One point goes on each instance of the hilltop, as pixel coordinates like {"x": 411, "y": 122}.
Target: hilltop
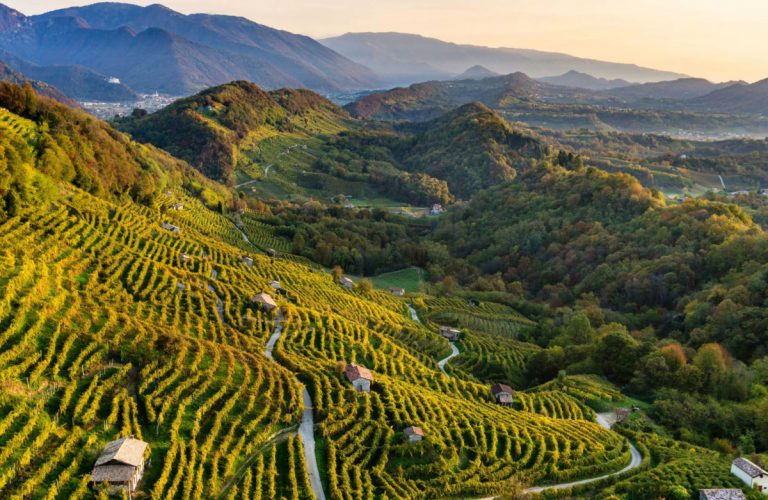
{"x": 214, "y": 129}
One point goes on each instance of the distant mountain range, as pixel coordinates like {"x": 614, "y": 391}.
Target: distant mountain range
{"x": 8, "y": 74}
{"x": 157, "y": 49}
{"x": 684, "y": 88}
{"x": 77, "y": 82}
{"x": 737, "y": 98}
{"x": 402, "y": 59}
{"x": 584, "y": 81}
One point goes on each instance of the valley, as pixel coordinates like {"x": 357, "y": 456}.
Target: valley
{"x": 523, "y": 274}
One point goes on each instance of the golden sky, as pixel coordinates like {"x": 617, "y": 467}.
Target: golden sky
{"x": 716, "y": 39}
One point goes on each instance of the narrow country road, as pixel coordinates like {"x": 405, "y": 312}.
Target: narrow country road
{"x": 414, "y": 316}
{"x": 442, "y": 362}
{"x": 604, "y": 419}
{"x": 307, "y": 426}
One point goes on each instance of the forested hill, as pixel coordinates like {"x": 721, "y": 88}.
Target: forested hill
{"x": 471, "y": 148}
{"x": 561, "y": 234}
{"x": 45, "y": 142}
{"x": 209, "y": 128}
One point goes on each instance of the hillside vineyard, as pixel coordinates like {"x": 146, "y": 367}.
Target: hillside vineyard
{"x": 257, "y": 294}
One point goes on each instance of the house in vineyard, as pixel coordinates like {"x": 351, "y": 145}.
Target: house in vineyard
{"x": 120, "y": 465}
{"x": 248, "y": 261}
{"x": 170, "y": 227}
{"x": 347, "y": 283}
{"x": 275, "y": 285}
{"x": 360, "y": 376}
{"x": 271, "y": 252}
{"x": 752, "y": 474}
{"x": 178, "y": 206}
{"x": 621, "y": 413}
{"x": 504, "y": 394}
{"x": 450, "y": 333}
{"x": 184, "y": 257}
{"x": 265, "y": 301}
{"x": 397, "y": 292}
{"x": 722, "y": 494}
{"x": 414, "y": 434}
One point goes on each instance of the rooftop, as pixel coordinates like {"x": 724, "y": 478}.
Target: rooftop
{"x": 128, "y": 451}
{"x": 413, "y": 431}
{"x": 500, "y": 388}
{"x": 355, "y": 372}
{"x": 723, "y": 494}
{"x": 749, "y": 467}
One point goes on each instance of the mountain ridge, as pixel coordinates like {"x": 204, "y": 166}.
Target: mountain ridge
{"x": 403, "y": 58}
{"x": 157, "y": 49}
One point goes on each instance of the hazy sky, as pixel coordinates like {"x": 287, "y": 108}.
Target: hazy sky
{"x": 716, "y": 39}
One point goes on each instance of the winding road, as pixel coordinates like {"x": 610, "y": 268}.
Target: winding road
{"x": 442, "y": 362}
{"x": 307, "y": 426}
{"x": 634, "y": 463}
{"x": 454, "y": 350}
{"x": 414, "y": 316}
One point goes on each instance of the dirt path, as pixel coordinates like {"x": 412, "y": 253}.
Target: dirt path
{"x": 414, "y": 316}
{"x": 442, "y": 362}
{"x": 307, "y": 426}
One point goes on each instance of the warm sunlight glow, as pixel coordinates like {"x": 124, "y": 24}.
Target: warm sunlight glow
{"x": 707, "y": 38}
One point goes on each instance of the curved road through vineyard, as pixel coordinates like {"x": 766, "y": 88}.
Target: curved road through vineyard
{"x": 306, "y": 429}
{"x": 604, "y": 419}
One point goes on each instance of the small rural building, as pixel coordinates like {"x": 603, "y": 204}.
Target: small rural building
{"x": 734, "y": 194}
{"x": 450, "y": 333}
{"x": 248, "y": 261}
{"x": 621, "y": 413}
{"x": 177, "y": 206}
{"x": 271, "y": 252}
{"x": 722, "y": 494}
{"x": 265, "y": 301}
{"x": 184, "y": 257}
{"x": 752, "y": 474}
{"x": 347, "y": 283}
{"x": 180, "y": 286}
{"x": 397, "y": 292}
{"x": 414, "y": 434}
{"x": 170, "y": 227}
{"x": 275, "y": 285}
{"x": 437, "y": 209}
{"x": 121, "y": 464}
{"x": 360, "y": 376}
{"x": 504, "y": 394}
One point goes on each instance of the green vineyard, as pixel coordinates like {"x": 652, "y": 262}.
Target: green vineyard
{"x": 106, "y": 332}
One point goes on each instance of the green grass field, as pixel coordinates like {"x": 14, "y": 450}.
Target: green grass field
{"x": 410, "y": 279}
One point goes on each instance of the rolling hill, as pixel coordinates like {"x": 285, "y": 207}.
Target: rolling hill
{"x": 403, "y": 59}
{"x": 681, "y": 89}
{"x": 77, "y": 82}
{"x": 737, "y": 98}
{"x": 156, "y": 49}
{"x": 8, "y": 74}
{"x": 584, "y": 81}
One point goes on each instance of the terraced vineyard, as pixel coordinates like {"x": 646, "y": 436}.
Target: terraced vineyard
{"x": 106, "y": 331}
{"x": 489, "y": 349}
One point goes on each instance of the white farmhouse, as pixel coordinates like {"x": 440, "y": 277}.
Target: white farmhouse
{"x": 753, "y": 475}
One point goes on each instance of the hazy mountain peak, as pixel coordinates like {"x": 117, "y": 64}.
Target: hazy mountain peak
{"x": 477, "y": 72}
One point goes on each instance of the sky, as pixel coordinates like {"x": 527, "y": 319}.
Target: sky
{"x": 708, "y": 38}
